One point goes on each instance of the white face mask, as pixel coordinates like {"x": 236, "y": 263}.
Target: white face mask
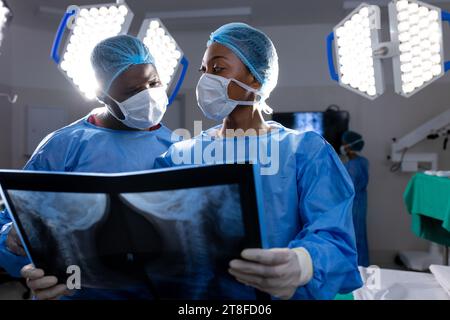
{"x": 143, "y": 110}
{"x": 213, "y": 99}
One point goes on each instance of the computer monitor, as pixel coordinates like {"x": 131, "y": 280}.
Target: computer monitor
{"x": 331, "y": 124}
{"x": 302, "y": 121}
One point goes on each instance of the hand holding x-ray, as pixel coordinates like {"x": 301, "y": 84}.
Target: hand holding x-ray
{"x": 43, "y": 287}
{"x": 279, "y": 272}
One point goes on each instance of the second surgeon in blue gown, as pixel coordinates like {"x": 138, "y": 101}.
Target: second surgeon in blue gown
{"x": 310, "y": 250}
{"x": 358, "y": 168}
{"x": 109, "y": 140}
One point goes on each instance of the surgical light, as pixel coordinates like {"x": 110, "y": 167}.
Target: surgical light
{"x": 166, "y": 52}
{"x": 417, "y": 28}
{"x": 5, "y": 14}
{"x": 88, "y": 26}
{"x": 356, "y": 39}
{"x": 416, "y": 48}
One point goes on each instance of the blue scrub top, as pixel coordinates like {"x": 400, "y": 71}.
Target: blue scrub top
{"x": 84, "y": 147}
{"x": 307, "y": 201}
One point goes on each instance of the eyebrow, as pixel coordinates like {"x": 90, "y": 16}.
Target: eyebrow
{"x": 217, "y": 57}
{"x": 153, "y": 77}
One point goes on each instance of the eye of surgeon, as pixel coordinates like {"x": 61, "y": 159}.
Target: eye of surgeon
{"x": 309, "y": 242}
{"x": 124, "y": 136}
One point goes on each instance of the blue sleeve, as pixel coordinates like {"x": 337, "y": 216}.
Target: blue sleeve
{"x": 9, "y": 261}
{"x": 4, "y": 218}
{"x": 352, "y": 170}
{"x": 358, "y": 170}
{"x": 180, "y": 154}
{"x": 53, "y": 153}
{"x": 326, "y": 195}
{"x": 164, "y": 161}
{"x": 40, "y": 161}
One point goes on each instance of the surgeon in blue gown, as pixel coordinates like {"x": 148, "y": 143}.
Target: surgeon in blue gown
{"x": 124, "y": 136}
{"x": 307, "y": 229}
{"x": 358, "y": 168}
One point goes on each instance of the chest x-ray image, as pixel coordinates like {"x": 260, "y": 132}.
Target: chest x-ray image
{"x": 176, "y": 242}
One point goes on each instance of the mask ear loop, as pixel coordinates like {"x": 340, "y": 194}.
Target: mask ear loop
{"x": 110, "y": 110}
{"x": 265, "y": 108}
{"x": 355, "y": 142}
{"x": 259, "y": 100}
{"x": 256, "y": 92}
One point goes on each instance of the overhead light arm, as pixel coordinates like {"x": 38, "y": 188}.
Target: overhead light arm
{"x": 386, "y": 50}
{"x": 68, "y": 15}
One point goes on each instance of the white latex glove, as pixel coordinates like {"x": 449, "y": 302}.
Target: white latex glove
{"x": 44, "y": 287}
{"x": 278, "y": 272}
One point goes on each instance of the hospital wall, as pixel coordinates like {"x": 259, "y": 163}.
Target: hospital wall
{"x": 5, "y": 129}
{"x": 5, "y": 106}
{"x": 304, "y": 86}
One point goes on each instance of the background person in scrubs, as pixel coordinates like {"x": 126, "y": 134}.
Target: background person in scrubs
{"x": 124, "y": 136}
{"x": 358, "y": 168}
{"x": 307, "y": 201}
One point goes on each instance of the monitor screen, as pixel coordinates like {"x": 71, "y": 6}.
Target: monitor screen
{"x": 302, "y": 121}
{"x": 309, "y": 121}
{"x": 164, "y": 230}
{"x": 330, "y": 124}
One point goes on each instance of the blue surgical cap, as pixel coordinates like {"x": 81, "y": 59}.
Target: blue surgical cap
{"x": 255, "y": 50}
{"x": 115, "y": 55}
{"x": 351, "y": 137}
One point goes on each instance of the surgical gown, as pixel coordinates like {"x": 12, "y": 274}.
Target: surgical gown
{"x": 307, "y": 201}
{"x": 84, "y": 147}
{"x": 358, "y": 169}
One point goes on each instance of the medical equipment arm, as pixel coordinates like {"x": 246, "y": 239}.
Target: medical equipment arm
{"x": 437, "y": 127}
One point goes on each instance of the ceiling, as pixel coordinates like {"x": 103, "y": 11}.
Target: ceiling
{"x": 263, "y": 12}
